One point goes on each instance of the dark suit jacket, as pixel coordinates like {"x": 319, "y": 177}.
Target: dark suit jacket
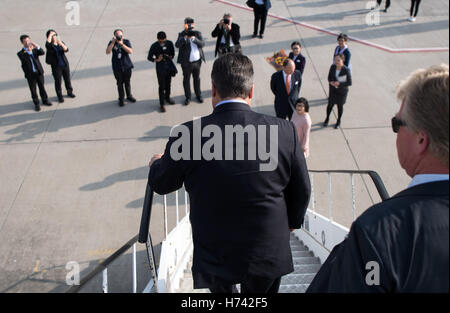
{"x": 267, "y": 4}
{"x": 283, "y": 101}
{"x": 346, "y": 53}
{"x": 407, "y": 235}
{"x": 156, "y": 50}
{"x": 184, "y": 47}
{"x": 343, "y": 87}
{"x": 27, "y": 66}
{"x": 234, "y": 34}
{"x": 300, "y": 62}
{"x": 240, "y": 215}
{"x": 51, "y": 57}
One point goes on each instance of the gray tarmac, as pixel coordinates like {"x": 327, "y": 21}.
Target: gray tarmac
{"x": 73, "y": 176}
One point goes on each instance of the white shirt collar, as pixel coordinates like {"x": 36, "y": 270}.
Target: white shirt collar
{"x": 232, "y": 100}
{"x": 427, "y": 178}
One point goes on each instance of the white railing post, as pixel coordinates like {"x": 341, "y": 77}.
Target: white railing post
{"x": 176, "y": 205}
{"x": 134, "y": 269}
{"x": 105, "y": 281}
{"x": 165, "y": 216}
{"x": 312, "y": 192}
{"x": 330, "y": 198}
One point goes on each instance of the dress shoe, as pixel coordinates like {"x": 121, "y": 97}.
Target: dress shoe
{"x": 187, "y": 101}
{"x": 71, "y": 95}
{"x": 131, "y": 99}
{"x": 47, "y": 103}
{"x": 200, "y": 99}
{"x": 325, "y": 124}
{"x": 170, "y": 101}
{"x": 121, "y": 103}
{"x": 337, "y": 125}
{"x": 37, "y": 107}
{"x": 162, "y": 109}
{"x": 261, "y": 36}
{"x": 254, "y": 36}
{"x": 60, "y": 99}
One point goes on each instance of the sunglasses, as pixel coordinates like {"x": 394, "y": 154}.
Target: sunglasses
{"x": 396, "y": 124}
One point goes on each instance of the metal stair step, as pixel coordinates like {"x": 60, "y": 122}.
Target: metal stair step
{"x": 293, "y": 279}
{"x": 298, "y": 247}
{"x": 306, "y": 260}
{"x": 299, "y": 288}
{"x": 297, "y": 254}
{"x": 306, "y": 268}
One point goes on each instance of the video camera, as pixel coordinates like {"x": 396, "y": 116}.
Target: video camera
{"x": 188, "y": 27}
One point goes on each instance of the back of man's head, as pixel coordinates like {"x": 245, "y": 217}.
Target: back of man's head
{"x": 232, "y": 76}
{"x": 425, "y": 94}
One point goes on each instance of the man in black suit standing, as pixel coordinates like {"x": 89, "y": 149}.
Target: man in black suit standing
{"x": 228, "y": 35}
{"x": 242, "y": 208}
{"x": 401, "y": 245}
{"x": 190, "y": 44}
{"x": 32, "y": 68}
{"x": 286, "y": 86}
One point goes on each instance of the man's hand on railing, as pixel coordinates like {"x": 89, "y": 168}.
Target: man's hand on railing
{"x": 155, "y": 157}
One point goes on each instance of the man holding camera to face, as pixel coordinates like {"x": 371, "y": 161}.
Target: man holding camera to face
{"x": 190, "y": 44}
{"x": 162, "y": 52}
{"x": 228, "y": 35}
{"x": 121, "y": 64}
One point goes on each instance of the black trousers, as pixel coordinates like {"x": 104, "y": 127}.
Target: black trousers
{"x": 251, "y": 284}
{"x": 194, "y": 70}
{"x": 414, "y": 8}
{"x": 62, "y": 72}
{"x": 283, "y": 113}
{"x": 388, "y": 3}
{"x": 260, "y": 16}
{"x": 123, "y": 79}
{"x": 164, "y": 82}
{"x": 37, "y": 79}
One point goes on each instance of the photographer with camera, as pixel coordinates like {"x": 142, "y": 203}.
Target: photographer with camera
{"x": 56, "y": 58}
{"x": 121, "y": 64}
{"x": 190, "y": 44}
{"x": 162, "y": 52}
{"x": 228, "y": 35}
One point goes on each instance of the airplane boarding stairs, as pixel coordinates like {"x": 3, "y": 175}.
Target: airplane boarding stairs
{"x": 310, "y": 245}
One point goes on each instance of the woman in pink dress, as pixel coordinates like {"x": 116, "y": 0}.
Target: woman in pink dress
{"x": 302, "y": 122}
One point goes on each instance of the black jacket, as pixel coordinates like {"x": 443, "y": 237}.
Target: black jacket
{"x": 240, "y": 215}
{"x": 300, "y": 62}
{"x": 27, "y": 66}
{"x": 156, "y": 50}
{"x": 283, "y": 101}
{"x": 51, "y": 57}
{"x": 234, "y": 34}
{"x": 184, "y": 47}
{"x": 406, "y": 235}
{"x": 343, "y": 86}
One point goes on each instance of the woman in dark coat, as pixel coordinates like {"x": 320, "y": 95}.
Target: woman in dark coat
{"x": 339, "y": 78}
{"x": 56, "y": 57}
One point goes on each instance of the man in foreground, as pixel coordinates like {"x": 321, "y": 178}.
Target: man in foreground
{"x": 242, "y": 207}
{"x": 401, "y": 244}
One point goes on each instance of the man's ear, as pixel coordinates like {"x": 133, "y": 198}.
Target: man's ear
{"x": 422, "y": 142}
{"x": 252, "y": 91}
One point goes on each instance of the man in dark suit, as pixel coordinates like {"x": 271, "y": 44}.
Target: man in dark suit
{"x": 228, "y": 35}
{"x": 260, "y": 11}
{"x": 243, "y": 208}
{"x": 286, "y": 86}
{"x": 190, "y": 44}
{"x": 32, "y": 68}
{"x": 401, "y": 244}
{"x": 56, "y": 58}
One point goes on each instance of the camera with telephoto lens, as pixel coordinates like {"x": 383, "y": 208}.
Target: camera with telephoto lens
{"x": 118, "y": 37}
{"x": 226, "y": 21}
